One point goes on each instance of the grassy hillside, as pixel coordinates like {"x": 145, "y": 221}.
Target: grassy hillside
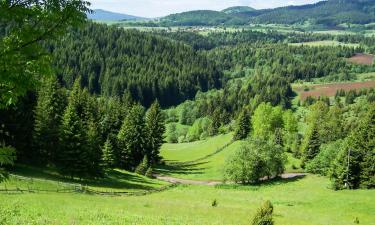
{"x": 299, "y": 202}
{"x": 185, "y": 160}
{"x": 238, "y": 9}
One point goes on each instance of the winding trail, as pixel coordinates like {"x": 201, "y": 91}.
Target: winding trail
{"x": 174, "y": 180}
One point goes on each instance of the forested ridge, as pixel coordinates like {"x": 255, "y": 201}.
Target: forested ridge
{"x": 111, "y": 61}
{"x": 329, "y": 13}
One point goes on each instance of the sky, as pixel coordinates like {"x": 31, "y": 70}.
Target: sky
{"x": 159, "y": 8}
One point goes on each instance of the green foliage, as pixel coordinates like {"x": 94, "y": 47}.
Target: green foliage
{"x": 145, "y": 65}
{"x": 321, "y": 164}
{"x": 155, "y": 126}
{"x": 47, "y": 114}
{"x": 132, "y": 138}
{"x": 263, "y": 215}
{"x": 266, "y": 120}
{"x": 311, "y": 146}
{"x": 108, "y": 159}
{"x": 7, "y": 157}
{"x": 255, "y": 160}
{"x": 353, "y": 167}
{"x": 73, "y": 156}
{"x": 290, "y": 131}
{"x": 24, "y": 25}
{"x": 143, "y": 167}
{"x": 149, "y": 172}
{"x": 243, "y": 126}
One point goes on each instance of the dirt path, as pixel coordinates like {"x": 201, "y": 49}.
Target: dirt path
{"x": 174, "y": 180}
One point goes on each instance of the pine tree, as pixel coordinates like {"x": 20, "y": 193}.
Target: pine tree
{"x": 73, "y": 159}
{"x": 155, "y": 128}
{"x": 312, "y": 144}
{"x": 47, "y": 114}
{"x": 132, "y": 138}
{"x": 108, "y": 159}
{"x": 216, "y": 122}
{"x": 243, "y": 126}
{"x": 264, "y": 215}
{"x": 94, "y": 150}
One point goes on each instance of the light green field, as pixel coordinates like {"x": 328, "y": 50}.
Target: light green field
{"x": 325, "y": 43}
{"x": 194, "y": 150}
{"x": 210, "y": 168}
{"x": 297, "y": 201}
{"x": 307, "y": 201}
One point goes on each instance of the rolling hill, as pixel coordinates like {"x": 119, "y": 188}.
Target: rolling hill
{"x": 328, "y": 13}
{"x": 238, "y": 9}
{"x": 103, "y": 15}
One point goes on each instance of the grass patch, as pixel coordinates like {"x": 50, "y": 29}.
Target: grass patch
{"x": 306, "y": 201}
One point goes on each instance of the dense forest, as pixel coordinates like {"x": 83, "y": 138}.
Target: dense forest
{"x": 111, "y": 61}
{"x": 328, "y": 13}
{"x": 94, "y": 109}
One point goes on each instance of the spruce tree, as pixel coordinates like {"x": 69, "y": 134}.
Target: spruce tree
{"x": 312, "y": 144}
{"x": 73, "y": 159}
{"x": 155, "y": 130}
{"x": 47, "y": 114}
{"x": 243, "y": 126}
{"x": 143, "y": 166}
{"x": 94, "y": 150}
{"x": 108, "y": 159}
{"x": 264, "y": 215}
{"x": 132, "y": 138}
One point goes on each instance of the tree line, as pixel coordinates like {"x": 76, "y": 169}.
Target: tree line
{"x": 83, "y": 135}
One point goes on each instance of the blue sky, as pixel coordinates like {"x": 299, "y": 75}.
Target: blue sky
{"x": 158, "y": 8}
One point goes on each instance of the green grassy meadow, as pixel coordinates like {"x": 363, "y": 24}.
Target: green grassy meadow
{"x": 297, "y": 201}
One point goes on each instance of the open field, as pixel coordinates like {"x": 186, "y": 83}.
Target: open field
{"x": 362, "y": 59}
{"x": 307, "y": 201}
{"x": 196, "y": 150}
{"x": 329, "y": 90}
{"x": 210, "y": 168}
{"x": 324, "y": 43}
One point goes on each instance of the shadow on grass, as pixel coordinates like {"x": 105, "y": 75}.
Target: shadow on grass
{"x": 265, "y": 183}
{"x": 171, "y": 167}
{"x": 115, "y": 179}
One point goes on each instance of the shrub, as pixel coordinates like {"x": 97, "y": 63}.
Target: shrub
{"x": 214, "y": 203}
{"x": 254, "y": 160}
{"x": 264, "y": 215}
{"x": 322, "y": 162}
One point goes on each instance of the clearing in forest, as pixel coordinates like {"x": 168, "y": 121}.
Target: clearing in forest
{"x": 329, "y": 90}
{"x": 362, "y": 59}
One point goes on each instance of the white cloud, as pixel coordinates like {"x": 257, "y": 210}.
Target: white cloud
{"x": 158, "y": 8}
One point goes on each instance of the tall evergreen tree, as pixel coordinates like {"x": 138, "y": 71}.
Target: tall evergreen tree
{"x": 243, "y": 126}
{"x": 132, "y": 138}
{"x": 73, "y": 159}
{"x": 108, "y": 159}
{"x": 312, "y": 144}
{"x": 48, "y": 113}
{"x": 94, "y": 150}
{"x": 155, "y": 130}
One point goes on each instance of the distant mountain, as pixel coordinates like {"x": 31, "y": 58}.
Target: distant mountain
{"x": 103, "y": 15}
{"x": 238, "y": 9}
{"x": 329, "y": 13}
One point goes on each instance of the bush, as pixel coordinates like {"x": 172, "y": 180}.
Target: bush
{"x": 264, "y": 215}
{"x": 322, "y": 162}
{"x": 254, "y": 160}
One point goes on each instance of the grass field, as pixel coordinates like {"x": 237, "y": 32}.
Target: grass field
{"x": 325, "y": 43}
{"x": 306, "y": 201}
{"x": 362, "y": 59}
{"x": 299, "y": 201}
{"x": 210, "y": 168}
